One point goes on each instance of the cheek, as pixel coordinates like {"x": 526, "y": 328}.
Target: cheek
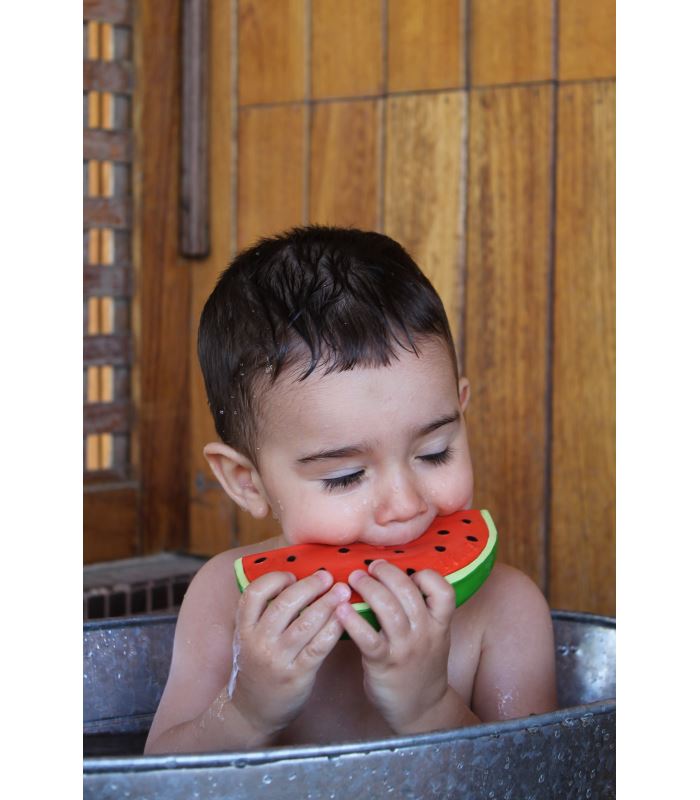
{"x": 455, "y": 490}
{"x": 325, "y": 520}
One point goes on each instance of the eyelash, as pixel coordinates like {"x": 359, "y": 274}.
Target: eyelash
{"x": 436, "y": 459}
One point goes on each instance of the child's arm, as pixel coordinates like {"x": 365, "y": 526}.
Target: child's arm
{"x": 516, "y": 673}
{"x": 280, "y": 651}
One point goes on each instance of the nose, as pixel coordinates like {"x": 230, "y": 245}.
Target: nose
{"x": 399, "y": 500}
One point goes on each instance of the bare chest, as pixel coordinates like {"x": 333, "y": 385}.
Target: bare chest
{"x": 338, "y": 709}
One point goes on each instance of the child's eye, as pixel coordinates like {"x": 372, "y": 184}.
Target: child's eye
{"x": 438, "y": 458}
{"x": 343, "y": 481}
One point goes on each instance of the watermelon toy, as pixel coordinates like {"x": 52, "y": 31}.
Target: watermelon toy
{"x": 460, "y": 546}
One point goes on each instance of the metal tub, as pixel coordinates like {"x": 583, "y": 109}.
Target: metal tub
{"x": 569, "y": 753}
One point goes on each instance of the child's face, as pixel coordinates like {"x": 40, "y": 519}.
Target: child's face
{"x": 348, "y": 456}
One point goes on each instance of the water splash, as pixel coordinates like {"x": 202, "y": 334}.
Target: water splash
{"x": 234, "y": 668}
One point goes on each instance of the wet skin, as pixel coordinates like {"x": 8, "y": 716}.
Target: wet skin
{"x": 369, "y": 455}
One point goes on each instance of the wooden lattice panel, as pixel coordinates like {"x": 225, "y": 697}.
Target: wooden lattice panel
{"x": 107, "y": 263}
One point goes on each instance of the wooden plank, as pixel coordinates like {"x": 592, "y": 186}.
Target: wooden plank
{"x": 426, "y": 44}
{"x": 162, "y": 306}
{"x": 271, "y": 171}
{"x": 108, "y": 76}
{"x": 211, "y": 511}
{"x": 270, "y": 199}
{"x": 271, "y": 51}
{"x": 112, "y": 349}
{"x": 346, "y": 49}
{"x": 586, "y": 39}
{"x": 118, "y": 12}
{"x": 344, "y": 164}
{"x": 583, "y": 446}
{"x": 107, "y": 417}
{"x": 511, "y": 41}
{"x": 110, "y": 523}
{"x": 423, "y": 204}
{"x": 104, "y": 145}
{"x": 107, "y": 212}
{"x": 507, "y": 314}
{"x": 194, "y": 181}
{"x": 107, "y": 281}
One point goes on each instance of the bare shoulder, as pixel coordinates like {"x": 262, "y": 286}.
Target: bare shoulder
{"x": 214, "y": 587}
{"x": 509, "y": 597}
{"x": 515, "y": 674}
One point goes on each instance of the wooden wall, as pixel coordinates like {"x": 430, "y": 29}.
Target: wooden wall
{"x": 481, "y": 135}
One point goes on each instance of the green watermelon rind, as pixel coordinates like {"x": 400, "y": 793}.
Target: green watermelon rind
{"x": 465, "y": 581}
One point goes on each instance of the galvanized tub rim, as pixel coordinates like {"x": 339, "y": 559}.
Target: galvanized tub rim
{"x": 246, "y": 758}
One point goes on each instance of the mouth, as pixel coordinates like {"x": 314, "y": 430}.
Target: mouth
{"x": 400, "y": 534}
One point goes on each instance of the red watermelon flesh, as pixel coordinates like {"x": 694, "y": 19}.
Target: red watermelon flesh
{"x": 461, "y": 547}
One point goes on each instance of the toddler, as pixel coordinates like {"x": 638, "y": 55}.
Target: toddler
{"x": 333, "y": 382}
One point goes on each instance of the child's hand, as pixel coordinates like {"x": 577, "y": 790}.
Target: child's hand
{"x": 405, "y": 664}
{"x": 281, "y": 640}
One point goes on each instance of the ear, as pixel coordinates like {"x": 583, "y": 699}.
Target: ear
{"x": 464, "y": 394}
{"x": 238, "y": 477}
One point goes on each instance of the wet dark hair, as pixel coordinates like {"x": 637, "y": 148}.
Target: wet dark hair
{"x": 313, "y": 297}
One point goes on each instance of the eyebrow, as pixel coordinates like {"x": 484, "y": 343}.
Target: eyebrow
{"x": 361, "y": 447}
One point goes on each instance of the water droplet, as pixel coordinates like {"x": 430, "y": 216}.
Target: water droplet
{"x": 267, "y": 780}
{"x": 221, "y": 411}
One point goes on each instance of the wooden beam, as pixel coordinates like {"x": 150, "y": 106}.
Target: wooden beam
{"x": 106, "y": 417}
{"x": 194, "y": 186}
{"x": 162, "y": 305}
{"x": 103, "y": 145}
{"x": 113, "y": 348}
{"x": 107, "y": 212}
{"x": 107, "y": 281}
{"x": 118, "y": 12}
{"x": 107, "y": 76}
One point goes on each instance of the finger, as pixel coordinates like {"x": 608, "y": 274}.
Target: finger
{"x": 372, "y": 644}
{"x": 258, "y": 594}
{"x": 287, "y": 605}
{"x": 312, "y": 619}
{"x": 383, "y": 602}
{"x": 439, "y": 594}
{"x": 314, "y": 652}
{"x": 402, "y": 587}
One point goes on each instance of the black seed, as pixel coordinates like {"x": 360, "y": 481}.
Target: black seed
{"x": 410, "y": 571}
{"x": 472, "y": 538}
{"x": 467, "y": 521}
{"x": 343, "y": 549}
{"x": 260, "y": 560}
{"x": 291, "y": 558}
{"x": 440, "y": 548}
{"x": 368, "y": 561}
{"x": 443, "y": 533}
{"x": 399, "y": 551}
